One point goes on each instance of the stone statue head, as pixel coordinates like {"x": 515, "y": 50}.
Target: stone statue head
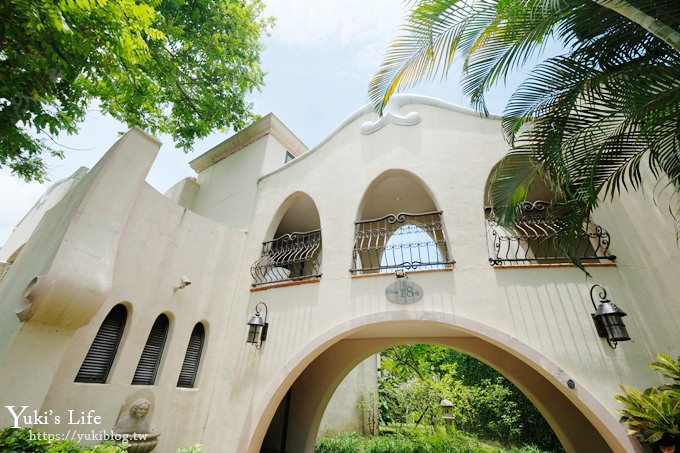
{"x": 140, "y": 408}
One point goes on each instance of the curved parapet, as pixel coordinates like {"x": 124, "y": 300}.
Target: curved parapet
{"x": 66, "y": 267}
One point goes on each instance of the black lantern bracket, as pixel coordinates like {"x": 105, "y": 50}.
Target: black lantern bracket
{"x": 608, "y": 318}
{"x": 258, "y": 327}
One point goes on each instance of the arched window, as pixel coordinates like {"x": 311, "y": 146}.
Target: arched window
{"x": 187, "y": 376}
{"x": 97, "y": 364}
{"x": 151, "y": 355}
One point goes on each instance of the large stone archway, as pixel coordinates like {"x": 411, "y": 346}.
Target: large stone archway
{"x": 578, "y": 419}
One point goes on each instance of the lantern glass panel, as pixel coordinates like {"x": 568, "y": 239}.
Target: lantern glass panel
{"x": 616, "y": 328}
{"x": 252, "y": 333}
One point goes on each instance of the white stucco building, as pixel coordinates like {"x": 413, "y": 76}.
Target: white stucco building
{"x": 113, "y": 289}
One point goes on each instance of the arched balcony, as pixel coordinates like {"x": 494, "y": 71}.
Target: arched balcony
{"x": 399, "y": 228}
{"x": 294, "y": 253}
{"x": 531, "y": 239}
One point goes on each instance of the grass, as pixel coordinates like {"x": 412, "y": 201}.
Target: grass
{"x": 412, "y": 441}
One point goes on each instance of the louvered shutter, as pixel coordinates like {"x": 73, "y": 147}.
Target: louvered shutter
{"x": 97, "y": 364}
{"x": 187, "y": 376}
{"x": 151, "y": 355}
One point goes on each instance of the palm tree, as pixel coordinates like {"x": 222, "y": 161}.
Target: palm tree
{"x": 587, "y": 121}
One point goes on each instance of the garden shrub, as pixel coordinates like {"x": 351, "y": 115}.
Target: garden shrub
{"x": 25, "y": 440}
{"x": 15, "y": 440}
{"x": 340, "y": 443}
{"x": 413, "y": 439}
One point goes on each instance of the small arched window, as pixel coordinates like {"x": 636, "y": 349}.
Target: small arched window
{"x": 151, "y": 355}
{"x": 97, "y": 364}
{"x": 187, "y": 376}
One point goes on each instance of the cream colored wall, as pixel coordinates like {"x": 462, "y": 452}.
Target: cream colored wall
{"x": 229, "y": 187}
{"x": 173, "y": 242}
{"x": 347, "y": 409}
{"x": 158, "y": 242}
{"x": 648, "y": 255}
{"x": 184, "y": 192}
{"x": 538, "y": 314}
{"x": 62, "y": 276}
{"x": 545, "y": 309}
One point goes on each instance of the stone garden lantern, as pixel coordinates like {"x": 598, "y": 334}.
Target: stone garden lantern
{"x": 447, "y": 410}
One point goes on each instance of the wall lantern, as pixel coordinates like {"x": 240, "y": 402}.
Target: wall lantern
{"x": 257, "y": 332}
{"x": 608, "y": 318}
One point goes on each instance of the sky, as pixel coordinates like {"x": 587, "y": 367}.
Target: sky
{"x": 319, "y": 59}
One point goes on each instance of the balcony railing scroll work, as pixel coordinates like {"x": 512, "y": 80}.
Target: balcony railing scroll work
{"x": 400, "y": 241}
{"x": 292, "y": 256}
{"x": 530, "y": 240}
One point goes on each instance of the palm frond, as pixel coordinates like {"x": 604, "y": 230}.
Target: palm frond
{"x": 424, "y": 47}
{"x": 518, "y": 32}
{"x": 511, "y": 182}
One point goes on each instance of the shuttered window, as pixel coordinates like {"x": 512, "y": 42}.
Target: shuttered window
{"x": 151, "y": 355}
{"x": 97, "y": 364}
{"x": 187, "y": 376}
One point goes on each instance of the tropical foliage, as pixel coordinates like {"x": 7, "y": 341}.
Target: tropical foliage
{"x": 653, "y": 416}
{"x": 589, "y": 121}
{"x": 415, "y": 378}
{"x": 167, "y": 66}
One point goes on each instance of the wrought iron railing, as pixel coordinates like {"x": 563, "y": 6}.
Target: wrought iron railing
{"x": 529, "y": 241}
{"x": 4, "y": 268}
{"x": 408, "y": 241}
{"x": 293, "y": 256}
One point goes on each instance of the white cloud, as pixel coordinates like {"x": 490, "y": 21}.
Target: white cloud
{"x": 355, "y": 33}
{"x": 325, "y": 24}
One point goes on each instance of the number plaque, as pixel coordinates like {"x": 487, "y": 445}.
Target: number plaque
{"x": 403, "y": 291}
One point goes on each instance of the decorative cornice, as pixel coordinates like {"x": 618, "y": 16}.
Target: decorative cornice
{"x": 391, "y": 116}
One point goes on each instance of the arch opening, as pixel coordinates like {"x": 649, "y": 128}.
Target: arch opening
{"x": 294, "y": 251}
{"x": 431, "y": 391}
{"x": 580, "y": 422}
{"x": 531, "y": 240}
{"x": 399, "y": 227}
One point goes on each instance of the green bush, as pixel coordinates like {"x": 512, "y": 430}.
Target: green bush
{"x": 27, "y": 440}
{"x": 341, "y": 443}
{"x": 14, "y": 440}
